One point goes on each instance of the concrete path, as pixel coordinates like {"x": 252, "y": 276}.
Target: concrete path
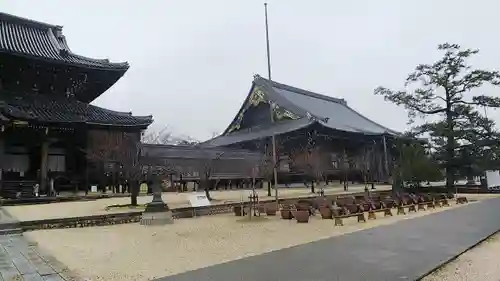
{"x": 21, "y": 261}
{"x": 401, "y": 251}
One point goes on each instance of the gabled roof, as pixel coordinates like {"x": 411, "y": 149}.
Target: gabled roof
{"x": 47, "y": 109}
{"x": 45, "y": 41}
{"x": 307, "y": 108}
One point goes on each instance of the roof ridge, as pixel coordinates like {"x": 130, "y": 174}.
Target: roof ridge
{"x": 304, "y": 92}
{"x": 29, "y": 22}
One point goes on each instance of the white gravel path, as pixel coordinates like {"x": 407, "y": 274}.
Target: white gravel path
{"x": 482, "y": 263}
{"x": 135, "y": 252}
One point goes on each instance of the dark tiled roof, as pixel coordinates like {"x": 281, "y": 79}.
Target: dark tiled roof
{"x": 331, "y": 112}
{"x": 328, "y": 111}
{"x": 35, "y": 39}
{"x": 45, "y": 109}
{"x": 255, "y": 133}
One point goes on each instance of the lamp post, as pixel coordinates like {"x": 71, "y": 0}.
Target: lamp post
{"x": 157, "y": 211}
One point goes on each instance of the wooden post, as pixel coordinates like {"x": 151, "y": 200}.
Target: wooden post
{"x": 1, "y": 162}
{"x": 386, "y": 159}
{"x": 43, "y": 165}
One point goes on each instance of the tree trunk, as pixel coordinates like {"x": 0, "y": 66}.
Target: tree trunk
{"x": 206, "y": 188}
{"x": 134, "y": 187}
{"x": 312, "y": 186}
{"x": 450, "y": 145}
{"x": 269, "y": 189}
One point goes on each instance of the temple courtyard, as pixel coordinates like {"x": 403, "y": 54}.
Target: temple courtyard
{"x": 173, "y": 199}
{"x": 263, "y": 248}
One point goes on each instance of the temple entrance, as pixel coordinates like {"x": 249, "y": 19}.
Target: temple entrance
{"x": 31, "y": 155}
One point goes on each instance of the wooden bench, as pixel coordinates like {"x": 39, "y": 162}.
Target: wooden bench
{"x": 350, "y": 211}
{"x": 378, "y": 207}
{"x": 441, "y": 200}
{"x": 405, "y": 202}
{"x": 429, "y": 200}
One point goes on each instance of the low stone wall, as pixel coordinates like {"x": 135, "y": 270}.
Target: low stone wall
{"x": 52, "y": 199}
{"x": 131, "y": 217}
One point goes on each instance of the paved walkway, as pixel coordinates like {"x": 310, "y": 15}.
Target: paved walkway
{"x": 401, "y": 251}
{"x": 21, "y": 261}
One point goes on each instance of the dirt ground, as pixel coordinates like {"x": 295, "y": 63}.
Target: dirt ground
{"x": 135, "y": 252}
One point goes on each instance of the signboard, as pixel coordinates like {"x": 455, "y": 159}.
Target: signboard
{"x": 492, "y": 179}
{"x": 198, "y": 199}
{"x": 93, "y": 188}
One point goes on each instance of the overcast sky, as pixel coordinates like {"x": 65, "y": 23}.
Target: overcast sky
{"x": 192, "y": 62}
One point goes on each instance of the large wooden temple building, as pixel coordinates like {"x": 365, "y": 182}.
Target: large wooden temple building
{"x": 344, "y": 143}
{"x": 47, "y": 124}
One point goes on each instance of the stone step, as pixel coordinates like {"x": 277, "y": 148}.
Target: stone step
{"x": 11, "y": 231}
{"x": 9, "y": 225}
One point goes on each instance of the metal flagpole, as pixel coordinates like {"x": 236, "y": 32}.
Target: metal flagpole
{"x": 273, "y": 136}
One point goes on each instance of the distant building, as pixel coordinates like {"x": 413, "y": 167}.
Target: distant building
{"x": 221, "y": 167}
{"x": 47, "y": 126}
{"x": 349, "y": 145}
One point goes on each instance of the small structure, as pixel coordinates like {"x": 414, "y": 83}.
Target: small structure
{"x": 216, "y": 165}
{"x": 204, "y": 165}
{"x": 253, "y": 200}
{"x": 157, "y": 212}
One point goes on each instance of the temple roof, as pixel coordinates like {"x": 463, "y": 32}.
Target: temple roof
{"x": 60, "y": 110}
{"x": 304, "y": 108}
{"x": 45, "y": 41}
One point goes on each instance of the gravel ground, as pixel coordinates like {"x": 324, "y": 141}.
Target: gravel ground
{"x": 481, "y": 263}
{"x": 97, "y": 207}
{"x": 135, "y": 252}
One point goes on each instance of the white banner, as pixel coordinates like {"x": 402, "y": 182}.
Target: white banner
{"x": 492, "y": 179}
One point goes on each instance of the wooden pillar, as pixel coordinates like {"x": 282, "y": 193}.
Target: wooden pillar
{"x": 1, "y": 162}
{"x": 386, "y": 160}
{"x": 43, "y": 165}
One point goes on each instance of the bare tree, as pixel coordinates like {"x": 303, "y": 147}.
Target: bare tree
{"x": 266, "y": 168}
{"x": 310, "y": 161}
{"x": 205, "y": 168}
{"x": 165, "y": 136}
{"x": 117, "y": 153}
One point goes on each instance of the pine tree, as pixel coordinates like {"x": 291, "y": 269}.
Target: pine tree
{"x": 444, "y": 95}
